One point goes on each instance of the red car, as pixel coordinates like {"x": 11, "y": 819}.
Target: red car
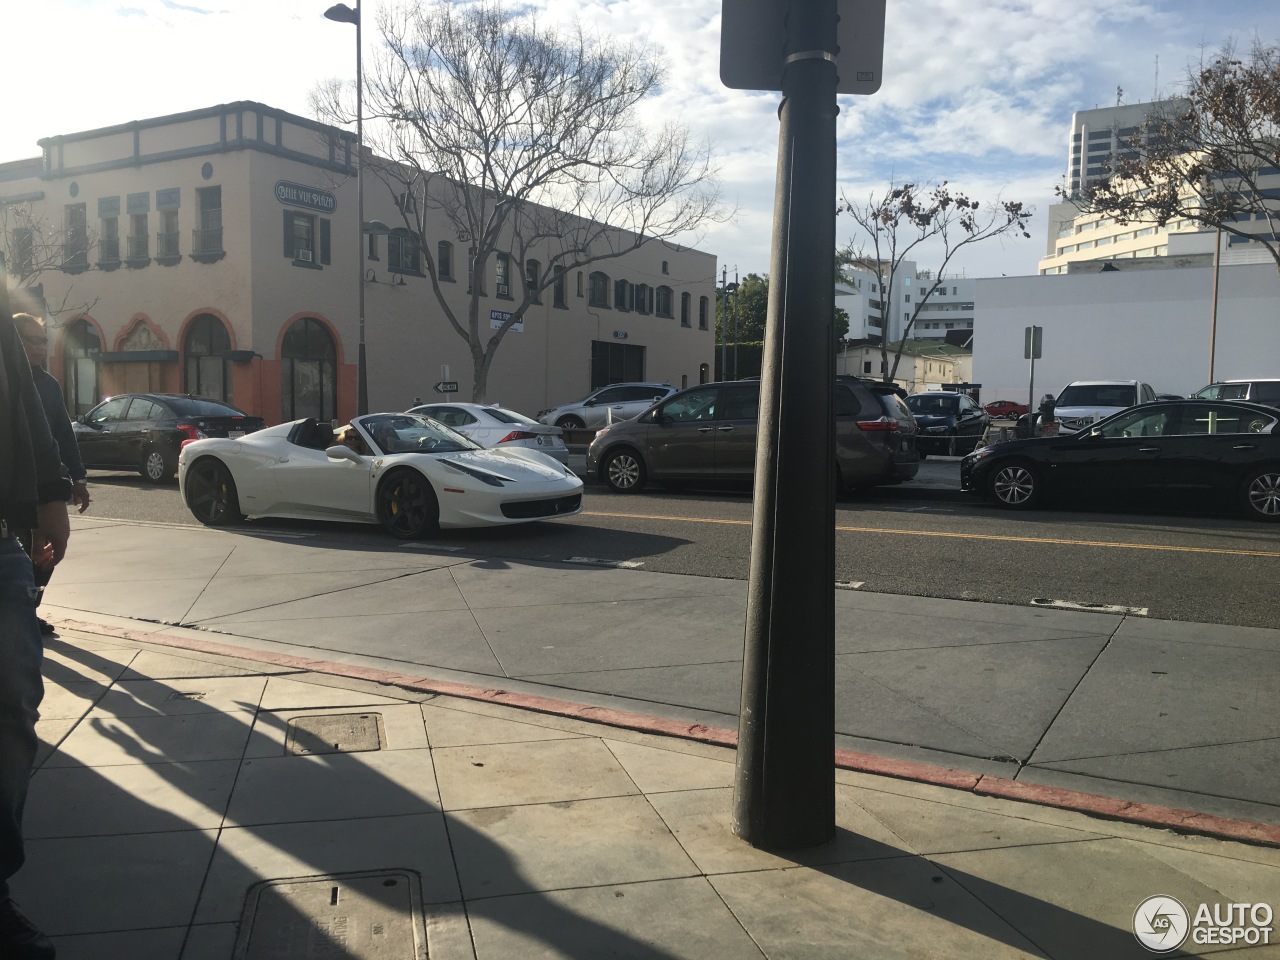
{"x": 1005, "y": 409}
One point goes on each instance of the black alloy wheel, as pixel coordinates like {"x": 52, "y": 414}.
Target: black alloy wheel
{"x": 407, "y": 506}
{"x": 1260, "y": 494}
{"x": 156, "y": 466}
{"x": 624, "y": 471}
{"x": 211, "y": 493}
{"x": 1014, "y": 484}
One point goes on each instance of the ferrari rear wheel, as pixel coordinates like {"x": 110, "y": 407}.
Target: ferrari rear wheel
{"x": 407, "y": 506}
{"x": 211, "y": 493}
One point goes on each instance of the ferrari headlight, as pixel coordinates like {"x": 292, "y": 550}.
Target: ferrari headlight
{"x": 492, "y": 479}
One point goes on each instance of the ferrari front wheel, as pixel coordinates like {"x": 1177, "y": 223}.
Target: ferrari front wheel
{"x": 407, "y": 506}
{"x": 211, "y": 493}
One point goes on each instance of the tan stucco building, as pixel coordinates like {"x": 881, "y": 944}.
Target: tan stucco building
{"x": 213, "y": 252}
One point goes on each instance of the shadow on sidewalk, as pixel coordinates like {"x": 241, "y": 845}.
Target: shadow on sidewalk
{"x": 1002, "y": 914}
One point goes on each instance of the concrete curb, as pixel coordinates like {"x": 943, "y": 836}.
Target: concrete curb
{"x": 1104, "y": 807}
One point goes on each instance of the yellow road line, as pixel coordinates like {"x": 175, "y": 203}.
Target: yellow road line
{"x": 1171, "y": 548}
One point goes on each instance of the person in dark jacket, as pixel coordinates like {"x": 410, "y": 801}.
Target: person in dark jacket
{"x": 35, "y": 341}
{"x": 33, "y": 496}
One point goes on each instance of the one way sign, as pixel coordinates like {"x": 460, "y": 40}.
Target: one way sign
{"x": 447, "y": 386}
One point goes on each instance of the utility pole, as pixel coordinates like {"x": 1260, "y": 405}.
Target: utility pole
{"x": 784, "y": 793}
{"x": 724, "y": 323}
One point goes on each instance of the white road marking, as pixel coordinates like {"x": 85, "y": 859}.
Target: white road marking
{"x": 849, "y": 584}
{"x": 1090, "y": 607}
{"x": 596, "y": 562}
{"x": 430, "y": 546}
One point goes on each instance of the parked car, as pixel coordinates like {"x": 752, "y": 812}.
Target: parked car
{"x": 708, "y": 432}
{"x": 1199, "y": 448}
{"x": 491, "y": 425}
{"x": 947, "y": 423}
{"x": 1005, "y": 409}
{"x": 618, "y": 401}
{"x": 1259, "y": 391}
{"x": 1082, "y": 402}
{"x": 144, "y": 431}
{"x": 417, "y": 477}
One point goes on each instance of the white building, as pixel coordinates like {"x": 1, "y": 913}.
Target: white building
{"x": 217, "y": 252}
{"x": 1146, "y": 325}
{"x": 949, "y": 307}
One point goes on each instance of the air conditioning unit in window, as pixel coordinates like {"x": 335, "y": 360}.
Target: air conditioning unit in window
{"x": 504, "y": 289}
{"x": 304, "y": 255}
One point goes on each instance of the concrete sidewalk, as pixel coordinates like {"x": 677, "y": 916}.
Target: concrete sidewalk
{"x": 1171, "y": 714}
{"x": 204, "y": 807}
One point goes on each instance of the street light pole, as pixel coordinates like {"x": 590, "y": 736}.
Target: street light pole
{"x": 341, "y": 13}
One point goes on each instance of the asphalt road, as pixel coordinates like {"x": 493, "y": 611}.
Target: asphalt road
{"x": 1210, "y": 569}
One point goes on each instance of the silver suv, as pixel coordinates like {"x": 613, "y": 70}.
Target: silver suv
{"x": 618, "y": 401}
{"x": 1084, "y": 401}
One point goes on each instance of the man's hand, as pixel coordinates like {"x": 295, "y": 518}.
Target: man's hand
{"x": 80, "y": 495}
{"x": 49, "y": 539}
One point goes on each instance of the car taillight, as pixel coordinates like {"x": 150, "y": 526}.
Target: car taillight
{"x": 192, "y": 432}
{"x": 518, "y": 435}
{"x": 883, "y": 423}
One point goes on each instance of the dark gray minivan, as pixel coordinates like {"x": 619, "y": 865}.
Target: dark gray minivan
{"x": 708, "y": 432}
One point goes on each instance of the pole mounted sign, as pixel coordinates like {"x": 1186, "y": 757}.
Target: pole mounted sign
{"x": 753, "y": 42}
{"x": 447, "y": 386}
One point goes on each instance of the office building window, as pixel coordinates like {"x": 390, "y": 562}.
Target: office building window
{"x": 444, "y": 260}
{"x": 403, "y": 255}
{"x": 686, "y": 305}
{"x": 167, "y": 238}
{"x": 502, "y": 276}
{"x": 306, "y": 238}
{"x": 662, "y": 303}
{"x": 206, "y": 238}
{"x": 75, "y": 245}
{"x": 599, "y": 290}
{"x": 206, "y": 370}
{"x": 558, "y": 288}
{"x": 532, "y": 279}
{"x": 702, "y": 313}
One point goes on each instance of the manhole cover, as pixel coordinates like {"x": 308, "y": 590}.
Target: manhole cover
{"x": 335, "y": 733}
{"x": 364, "y": 916}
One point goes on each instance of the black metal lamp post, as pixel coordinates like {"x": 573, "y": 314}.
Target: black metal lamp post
{"x": 341, "y": 13}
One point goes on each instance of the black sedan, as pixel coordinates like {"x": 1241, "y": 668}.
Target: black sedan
{"x": 144, "y": 431}
{"x": 1195, "y": 448}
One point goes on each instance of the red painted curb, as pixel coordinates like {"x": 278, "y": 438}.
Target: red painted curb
{"x": 1111, "y": 808}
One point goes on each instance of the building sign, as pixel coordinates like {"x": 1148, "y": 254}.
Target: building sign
{"x": 296, "y": 195}
{"x": 497, "y": 318}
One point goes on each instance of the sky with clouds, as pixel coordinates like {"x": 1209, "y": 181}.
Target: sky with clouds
{"x": 976, "y": 92}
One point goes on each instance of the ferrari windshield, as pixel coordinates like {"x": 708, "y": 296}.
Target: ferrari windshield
{"x": 409, "y": 433}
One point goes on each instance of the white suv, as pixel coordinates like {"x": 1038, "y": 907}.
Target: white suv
{"x": 618, "y": 401}
{"x": 1081, "y": 402}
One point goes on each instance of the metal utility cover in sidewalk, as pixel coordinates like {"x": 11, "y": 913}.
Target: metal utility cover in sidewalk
{"x": 334, "y": 733}
{"x": 367, "y": 916}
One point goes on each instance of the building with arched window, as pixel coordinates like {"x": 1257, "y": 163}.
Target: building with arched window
{"x": 217, "y": 252}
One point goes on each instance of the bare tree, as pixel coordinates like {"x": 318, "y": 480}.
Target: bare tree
{"x": 1212, "y": 157}
{"x": 32, "y": 247}
{"x": 525, "y": 140}
{"x": 895, "y": 224}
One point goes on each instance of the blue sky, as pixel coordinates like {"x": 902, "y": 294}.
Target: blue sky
{"x": 976, "y": 92}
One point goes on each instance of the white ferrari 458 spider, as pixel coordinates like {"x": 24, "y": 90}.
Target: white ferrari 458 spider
{"x": 409, "y": 473}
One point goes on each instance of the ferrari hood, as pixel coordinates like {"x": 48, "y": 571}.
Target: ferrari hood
{"x": 511, "y": 464}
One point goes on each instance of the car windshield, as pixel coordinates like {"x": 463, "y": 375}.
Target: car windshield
{"x": 932, "y": 406}
{"x": 503, "y": 415}
{"x": 408, "y": 433}
{"x": 1098, "y": 395}
{"x": 199, "y": 407}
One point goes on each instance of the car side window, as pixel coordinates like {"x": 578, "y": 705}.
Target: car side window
{"x": 639, "y": 394}
{"x": 612, "y": 395}
{"x": 143, "y": 409}
{"x": 1221, "y": 419}
{"x": 110, "y": 411}
{"x": 690, "y": 406}
{"x": 1267, "y": 393}
{"x": 1144, "y": 423}
{"x": 740, "y": 402}
{"x": 847, "y": 404}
